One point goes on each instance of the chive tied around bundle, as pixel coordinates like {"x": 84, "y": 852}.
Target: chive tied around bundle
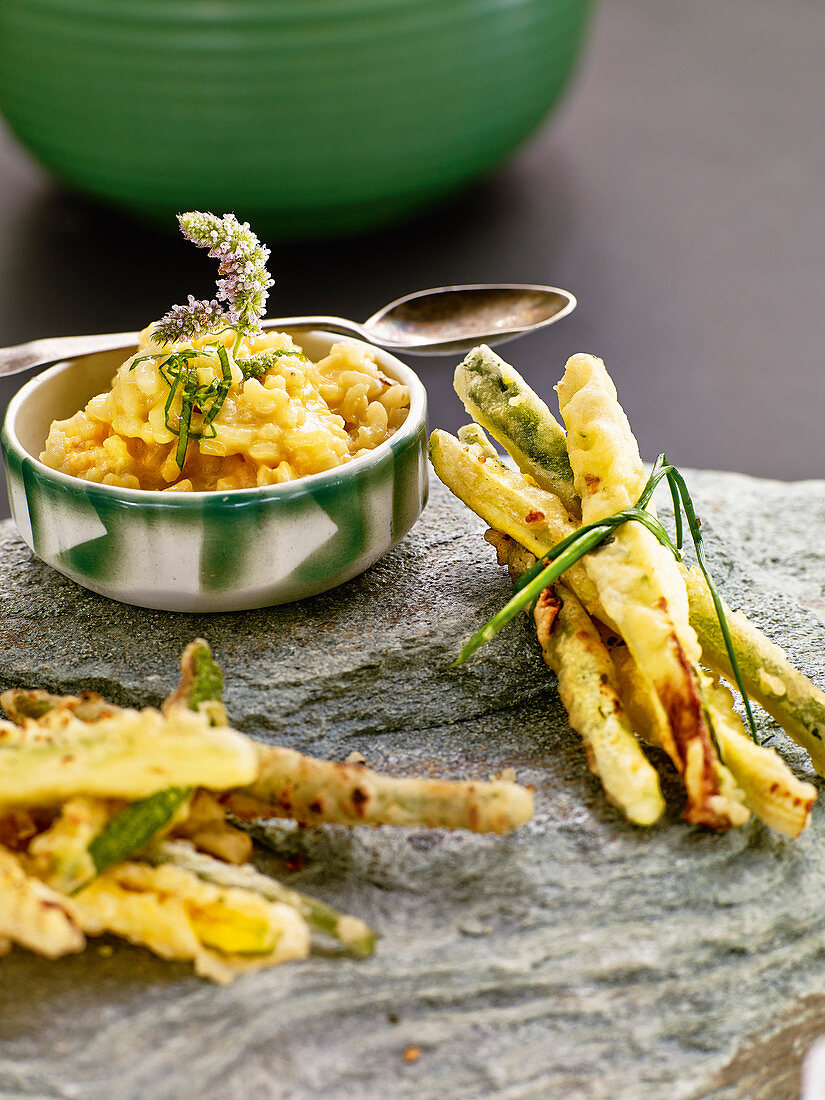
{"x": 572, "y": 549}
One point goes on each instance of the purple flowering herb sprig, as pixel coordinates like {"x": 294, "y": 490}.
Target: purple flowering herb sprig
{"x": 244, "y": 281}
{"x": 184, "y": 323}
{"x": 242, "y": 292}
{"x": 242, "y": 287}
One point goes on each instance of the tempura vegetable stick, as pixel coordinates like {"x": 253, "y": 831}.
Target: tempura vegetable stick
{"x": 34, "y": 915}
{"x": 510, "y": 553}
{"x": 649, "y": 720}
{"x": 533, "y": 516}
{"x": 474, "y": 434}
{"x": 136, "y": 824}
{"x": 503, "y": 498}
{"x": 770, "y": 788}
{"x": 179, "y": 916}
{"x": 201, "y": 684}
{"x": 351, "y": 931}
{"x": 496, "y": 396}
{"x": 60, "y": 854}
{"x": 788, "y": 696}
{"x": 130, "y": 755}
{"x": 588, "y": 687}
{"x": 41, "y": 706}
{"x": 314, "y": 791}
{"x": 639, "y": 583}
{"x": 206, "y": 826}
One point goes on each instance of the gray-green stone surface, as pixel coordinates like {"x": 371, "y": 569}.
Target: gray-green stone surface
{"x": 580, "y": 957}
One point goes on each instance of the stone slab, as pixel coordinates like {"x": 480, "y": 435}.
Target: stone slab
{"x": 579, "y": 958}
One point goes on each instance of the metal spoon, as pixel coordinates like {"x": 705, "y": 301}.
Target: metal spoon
{"x": 441, "y": 321}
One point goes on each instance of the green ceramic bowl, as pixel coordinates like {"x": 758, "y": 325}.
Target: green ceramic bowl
{"x": 303, "y": 116}
{"x": 210, "y": 551}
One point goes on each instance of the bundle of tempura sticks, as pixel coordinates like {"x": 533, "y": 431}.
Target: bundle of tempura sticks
{"x": 639, "y": 643}
{"x": 114, "y": 820}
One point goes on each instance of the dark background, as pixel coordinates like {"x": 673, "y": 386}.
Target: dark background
{"x": 679, "y": 194}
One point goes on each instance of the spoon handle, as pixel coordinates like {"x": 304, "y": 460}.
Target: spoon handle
{"x": 325, "y": 324}
{"x": 54, "y": 349}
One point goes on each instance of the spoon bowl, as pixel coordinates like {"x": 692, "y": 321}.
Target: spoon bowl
{"x": 451, "y": 319}
{"x": 440, "y": 321}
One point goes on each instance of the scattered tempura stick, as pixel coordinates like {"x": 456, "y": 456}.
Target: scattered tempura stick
{"x": 206, "y": 826}
{"x": 312, "y": 791}
{"x": 131, "y": 755}
{"x": 174, "y": 913}
{"x": 640, "y": 586}
{"x": 41, "y": 706}
{"x": 34, "y": 915}
{"x": 201, "y": 684}
{"x": 351, "y": 931}
{"x": 59, "y": 855}
{"x": 315, "y": 791}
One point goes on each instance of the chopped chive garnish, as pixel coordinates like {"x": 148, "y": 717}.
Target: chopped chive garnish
{"x": 186, "y": 406}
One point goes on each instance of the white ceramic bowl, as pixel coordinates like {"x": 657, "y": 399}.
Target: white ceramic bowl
{"x": 218, "y": 551}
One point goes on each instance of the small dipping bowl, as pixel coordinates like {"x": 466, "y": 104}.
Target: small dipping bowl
{"x": 210, "y": 551}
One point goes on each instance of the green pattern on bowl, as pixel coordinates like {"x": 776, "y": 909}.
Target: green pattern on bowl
{"x": 304, "y": 116}
{"x": 210, "y": 551}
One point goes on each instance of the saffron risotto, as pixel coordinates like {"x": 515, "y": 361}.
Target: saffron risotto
{"x": 294, "y": 419}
